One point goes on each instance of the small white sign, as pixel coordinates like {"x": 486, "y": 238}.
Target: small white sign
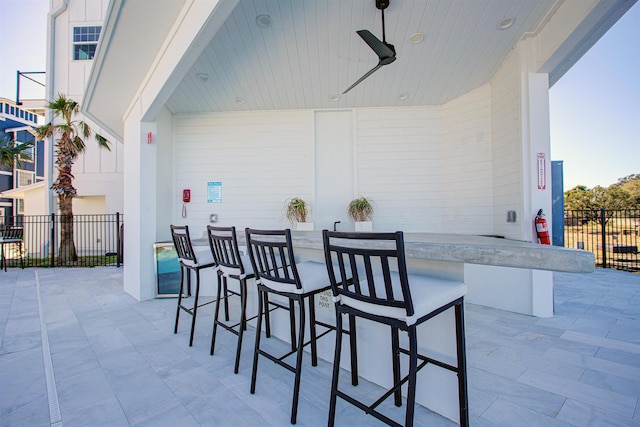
{"x": 542, "y": 172}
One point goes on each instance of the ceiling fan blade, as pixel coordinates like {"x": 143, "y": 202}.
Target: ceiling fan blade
{"x": 371, "y": 71}
{"x": 381, "y": 49}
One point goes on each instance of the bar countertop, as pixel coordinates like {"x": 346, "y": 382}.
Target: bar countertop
{"x": 461, "y": 248}
{"x": 479, "y": 250}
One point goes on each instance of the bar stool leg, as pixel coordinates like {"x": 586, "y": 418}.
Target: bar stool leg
{"x": 243, "y": 322}
{"x": 336, "y": 371}
{"x": 267, "y": 320}
{"x": 256, "y": 349}
{"x": 195, "y": 308}
{"x": 462, "y": 366}
{"x": 292, "y": 322}
{"x": 215, "y": 314}
{"x": 413, "y": 368}
{"x": 21, "y": 255}
{"x": 312, "y": 331}
{"x": 226, "y": 301}
{"x": 395, "y": 350}
{"x": 298, "y": 369}
{"x": 354, "y": 349}
{"x": 175, "y": 329}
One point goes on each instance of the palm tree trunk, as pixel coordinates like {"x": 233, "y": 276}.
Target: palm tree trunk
{"x": 67, "y": 251}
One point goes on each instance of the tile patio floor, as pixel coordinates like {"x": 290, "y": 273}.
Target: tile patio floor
{"x": 75, "y": 350}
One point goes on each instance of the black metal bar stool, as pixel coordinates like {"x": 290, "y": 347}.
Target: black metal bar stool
{"x": 223, "y": 242}
{"x": 277, "y": 272}
{"x": 189, "y": 262}
{"x": 11, "y": 236}
{"x": 384, "y": 292}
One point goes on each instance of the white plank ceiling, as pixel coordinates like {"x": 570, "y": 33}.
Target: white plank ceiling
{"x": 311, "y": 53}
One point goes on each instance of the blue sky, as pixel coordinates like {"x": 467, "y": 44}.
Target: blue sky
{"x": 595, "y": 106}
{"x": 595, "y": 109}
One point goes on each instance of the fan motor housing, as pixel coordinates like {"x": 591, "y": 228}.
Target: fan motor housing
{"x": 382, "y": 4}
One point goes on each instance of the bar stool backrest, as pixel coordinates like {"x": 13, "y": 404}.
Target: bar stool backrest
{"x": 11, "y": 234}
{"x": 376, "y": 262}
{"x": 223, "y": 242}
{"x": 272, "y": 258}
{"x": 182, "y": 243}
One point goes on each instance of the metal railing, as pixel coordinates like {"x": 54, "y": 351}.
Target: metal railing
{"x": 98, "y": 240}
{"x": 612, "y": 235}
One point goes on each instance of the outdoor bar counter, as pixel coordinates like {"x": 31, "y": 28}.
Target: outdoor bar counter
{"x": 495, "y": 251}
{"x": 498, "y": 273}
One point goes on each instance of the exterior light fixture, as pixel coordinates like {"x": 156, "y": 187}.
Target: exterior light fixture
{"x": 416, "y": 38}
{"x": 263, "y": 21}
{"x": 403, "y": 96}
{"x": 203, "y": 77}
{"x": 334, "y": 98}
{"x": 506, "y": 23}
{"x": 240, "y": 100}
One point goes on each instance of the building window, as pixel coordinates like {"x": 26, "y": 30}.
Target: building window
{"x": 25, "y": 178}
{"x": 85, "y": 41}
{"x": 31, "y": 152}
{"x": 20, "y": 206}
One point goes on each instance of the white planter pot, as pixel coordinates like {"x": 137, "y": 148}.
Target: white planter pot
{"x": 364, "y": 226}
{"x": 304, "y": 226}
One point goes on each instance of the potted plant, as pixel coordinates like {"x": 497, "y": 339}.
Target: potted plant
{"x": 297, "y": 210}
{"x": 360, "y": 210}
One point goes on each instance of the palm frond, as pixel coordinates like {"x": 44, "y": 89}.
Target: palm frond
{"x": 11, "y": 153}
{"x": 44, "y": 131}
{"x": 103, "y": 142}
{"x": 84, "y": 129}
{"x": 78, "y": 144}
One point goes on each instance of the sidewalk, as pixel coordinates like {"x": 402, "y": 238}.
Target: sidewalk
{"x": 75, "y": 350}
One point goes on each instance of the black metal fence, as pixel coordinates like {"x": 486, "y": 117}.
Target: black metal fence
{"x": 612, "y": 235}
{"x": 98, "y": 240}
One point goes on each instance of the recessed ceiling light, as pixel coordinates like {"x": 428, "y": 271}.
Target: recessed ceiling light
{"x": 203, "y": 77}
{"x": 506, "y": 23}
{"x": 416, "y": 38}
{"x": 263, "y": 21}
{"x": 334, "y": 98}
{"x": 403, "y": 95}
{"x": 240, "y": 100}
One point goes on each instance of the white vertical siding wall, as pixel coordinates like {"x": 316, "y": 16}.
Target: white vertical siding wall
{"x": 399, "y": 165}
{"x": 506, "y": 125}
{"x": 467, "y": 187}
{"x": 426, "y": 168}
{"x": 261, "y": 158}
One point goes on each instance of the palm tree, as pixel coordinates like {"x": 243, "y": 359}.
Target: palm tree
{"x": 70, "y": 143}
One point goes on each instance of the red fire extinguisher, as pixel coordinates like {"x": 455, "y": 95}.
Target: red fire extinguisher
{"x": 541, "y": 229}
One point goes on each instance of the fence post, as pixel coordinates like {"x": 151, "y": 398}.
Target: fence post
{"x": 603, "y": 217}
{"x": 118, "y": 253}
{"x": 52, "y": 241}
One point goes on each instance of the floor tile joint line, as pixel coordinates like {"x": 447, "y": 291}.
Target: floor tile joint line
{"x": 52, "y": 392}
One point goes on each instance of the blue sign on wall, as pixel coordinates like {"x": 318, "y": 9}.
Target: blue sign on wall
{"x": 214, "y": 192}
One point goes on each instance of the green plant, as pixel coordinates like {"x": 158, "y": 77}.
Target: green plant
{"x": 297, "y": 210}
{"x": 360, "y": 209}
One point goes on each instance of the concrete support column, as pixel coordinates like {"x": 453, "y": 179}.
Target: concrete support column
{"x": 536, "y": 151}
{"x": 140, "y": 206}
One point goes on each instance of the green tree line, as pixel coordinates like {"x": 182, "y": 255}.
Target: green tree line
{"x": 625, "y": 194}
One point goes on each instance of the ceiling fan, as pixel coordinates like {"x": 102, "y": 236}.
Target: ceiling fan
{"x": 385, "y": 51}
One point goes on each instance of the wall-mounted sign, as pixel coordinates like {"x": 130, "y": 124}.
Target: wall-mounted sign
{"x": 214, "y": 192}
{"x": 542, "y": 172}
